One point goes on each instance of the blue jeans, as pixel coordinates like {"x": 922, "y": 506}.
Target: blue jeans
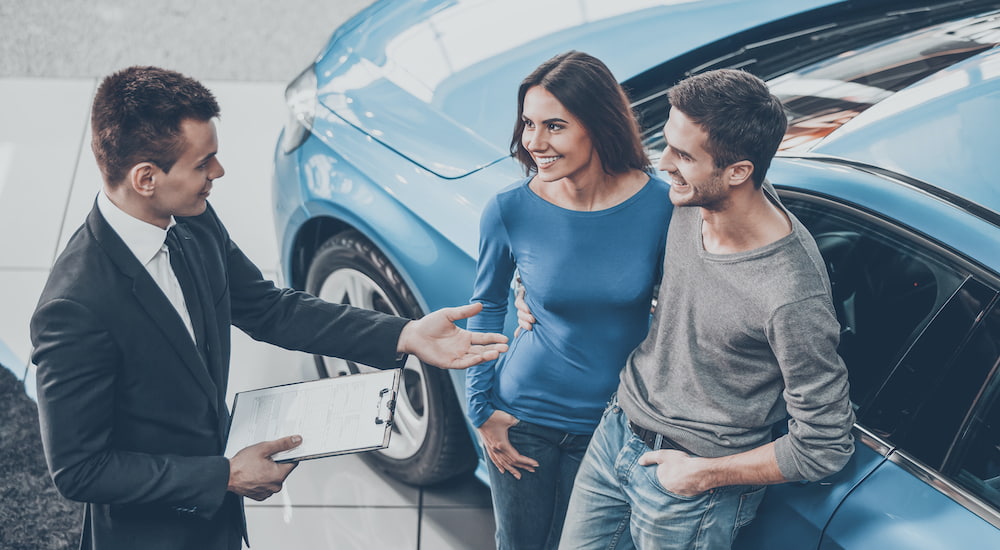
{"x": 529, "y": 512}
{"x": 617, "y": 504}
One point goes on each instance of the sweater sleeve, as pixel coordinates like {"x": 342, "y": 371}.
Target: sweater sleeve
{"x": 494, "y": 273}
{"x": 804, "y": 338}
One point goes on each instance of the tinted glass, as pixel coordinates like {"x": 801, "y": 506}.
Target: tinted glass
{"x": 820, "y": 98}
{"x": 828, "y": 71}
{"x": 885, "y": 290}
{"x": 978, "y": 460}
{"x": 932, "y": 390}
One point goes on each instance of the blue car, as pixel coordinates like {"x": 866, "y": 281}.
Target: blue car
{"x": 399, "y": 133}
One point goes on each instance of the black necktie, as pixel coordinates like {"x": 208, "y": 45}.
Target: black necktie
{"x": 182, "y": 270}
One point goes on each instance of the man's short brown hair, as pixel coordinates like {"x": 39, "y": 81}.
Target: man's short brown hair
{"x": 137, "y": 115}
{"x": 743, "y": 119}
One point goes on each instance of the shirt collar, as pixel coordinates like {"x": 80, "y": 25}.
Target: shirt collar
{"x": 144, "y": 239}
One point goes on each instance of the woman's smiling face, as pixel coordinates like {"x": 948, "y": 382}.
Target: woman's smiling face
{"x": 557, "y": 141}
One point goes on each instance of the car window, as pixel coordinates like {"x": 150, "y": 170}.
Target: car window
{"x": 822, "y": 97}
{"x": 925, "y": 401}
{"x": 885, "y": 290}
{"x": 979, "y": 469}
{"x": 977, "y": 458}
{"x": 826, "y": 73}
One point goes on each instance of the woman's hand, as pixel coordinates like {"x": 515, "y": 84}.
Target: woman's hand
{"x": 504, "y": 456}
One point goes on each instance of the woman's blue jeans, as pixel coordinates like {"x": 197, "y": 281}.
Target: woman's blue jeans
{"x": 529, "y": 511}
{"x": 618, "y": 504}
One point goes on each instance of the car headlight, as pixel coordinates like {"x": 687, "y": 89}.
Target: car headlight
{"x": 300, "y": 95}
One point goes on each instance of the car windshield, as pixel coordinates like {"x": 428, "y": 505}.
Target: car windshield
{"x": 826, "y": 73}
{"x": 824, "y": 96}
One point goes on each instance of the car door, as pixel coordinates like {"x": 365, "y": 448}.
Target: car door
{"x": 939, "y": 412}
{"x": 891, "y": 289}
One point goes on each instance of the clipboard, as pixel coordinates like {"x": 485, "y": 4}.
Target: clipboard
{"x": 334, "y": 416}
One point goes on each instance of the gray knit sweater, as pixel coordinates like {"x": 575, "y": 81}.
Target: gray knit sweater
{"x": 739, "y": 342}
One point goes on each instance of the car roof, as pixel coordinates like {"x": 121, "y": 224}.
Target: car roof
{"x": 885, "y": 197}
{"x": 941, "y": 130}
{"x": 402, "y": 71}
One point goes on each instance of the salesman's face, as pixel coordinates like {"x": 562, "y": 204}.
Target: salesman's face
{"x": 184, "y": 190}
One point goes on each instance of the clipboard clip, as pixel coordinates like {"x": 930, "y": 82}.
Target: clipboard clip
{"x": 385, "y": 407}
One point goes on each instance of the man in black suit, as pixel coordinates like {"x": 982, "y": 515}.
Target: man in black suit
{"x": 132, "y": 336}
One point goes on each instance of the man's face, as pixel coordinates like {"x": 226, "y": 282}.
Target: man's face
{"x": 184, "y": 190}
{"x": 694, "y": 180}
{"x": 557, "y": 141}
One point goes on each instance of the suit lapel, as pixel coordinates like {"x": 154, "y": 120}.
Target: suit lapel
{"x": 196, "y": 295}
{"x": 154, "y": 302}
{"x": 165, "y": 316}
{"x": 208, "y": 331}
{"x": 208, "y": 334}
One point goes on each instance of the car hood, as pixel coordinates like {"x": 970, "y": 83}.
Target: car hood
{"x": 437, "y": 81}
{"x": 941, "y": 130}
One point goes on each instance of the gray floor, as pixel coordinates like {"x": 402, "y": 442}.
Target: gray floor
{"x": 51, "y": 57}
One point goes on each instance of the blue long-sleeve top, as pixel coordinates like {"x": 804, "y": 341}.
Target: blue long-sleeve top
{"x": 589, "y": 279}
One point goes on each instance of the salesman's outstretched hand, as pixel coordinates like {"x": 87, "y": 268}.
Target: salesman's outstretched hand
{"x": 437, "y": 341}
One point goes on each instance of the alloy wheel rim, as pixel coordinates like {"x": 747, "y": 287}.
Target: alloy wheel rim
{"x": 410, "y": 420}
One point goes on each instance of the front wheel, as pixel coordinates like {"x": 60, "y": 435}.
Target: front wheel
{"x": 429, "y": 442}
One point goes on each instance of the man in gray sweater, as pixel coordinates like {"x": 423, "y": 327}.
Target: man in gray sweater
{"x": 744, "y": 334}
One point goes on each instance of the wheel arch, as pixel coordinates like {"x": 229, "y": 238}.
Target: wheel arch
{"x": 309, "y": 251}
{"x": 437, "y": 272}
{"x": 309, "y": 237}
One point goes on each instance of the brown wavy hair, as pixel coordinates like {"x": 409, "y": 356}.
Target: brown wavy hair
{"x": 585, "y": 87}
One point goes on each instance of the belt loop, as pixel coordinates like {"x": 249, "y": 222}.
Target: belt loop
{"x": 658, "y": 442}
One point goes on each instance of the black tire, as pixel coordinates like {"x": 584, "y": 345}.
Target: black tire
{"x": 430, "y": 442}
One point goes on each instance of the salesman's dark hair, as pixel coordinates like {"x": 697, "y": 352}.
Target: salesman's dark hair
{"x": 137, "y": 115}
{"x": 587, "y": 89}
{"x": 743, "y": 119}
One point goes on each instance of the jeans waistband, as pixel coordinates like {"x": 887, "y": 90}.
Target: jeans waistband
{"x": 655, "y": 441}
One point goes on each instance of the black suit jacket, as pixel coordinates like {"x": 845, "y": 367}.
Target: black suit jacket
{"x": 133, "y": 414}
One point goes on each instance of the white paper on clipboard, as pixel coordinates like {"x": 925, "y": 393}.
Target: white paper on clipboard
{"x": 334, "y": 416}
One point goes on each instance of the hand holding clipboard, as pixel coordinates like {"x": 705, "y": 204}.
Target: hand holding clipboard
{"x": 334, "y": 416}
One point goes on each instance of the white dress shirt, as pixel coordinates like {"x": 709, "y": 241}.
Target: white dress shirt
{"x": 148, "y": 243}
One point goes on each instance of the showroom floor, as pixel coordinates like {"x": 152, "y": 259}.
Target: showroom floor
{"x": 48, "y": 181}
